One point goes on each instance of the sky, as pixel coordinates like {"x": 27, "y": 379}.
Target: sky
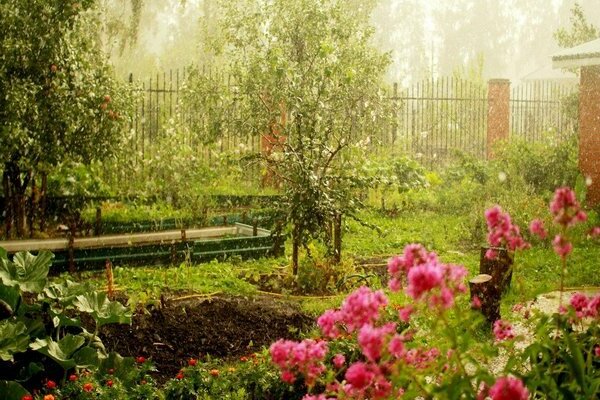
{"x": 488, "y": 38}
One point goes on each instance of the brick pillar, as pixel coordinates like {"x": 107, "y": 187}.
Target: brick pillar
{"x": 498, "y": 121}
{"x": 589, "y": 130}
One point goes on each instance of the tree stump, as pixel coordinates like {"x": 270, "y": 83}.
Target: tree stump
{"x": 500, "y": 267}
{"x": 484, "y": 288}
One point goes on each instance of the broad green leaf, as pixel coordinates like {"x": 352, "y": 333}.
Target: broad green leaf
{"x": 102, "y": 310}
{"x": 65, "y": 292}
{"x": 61, "y": 351}
{"x": 13, "y": 339}
{"x": 3, "y": 254}
{"x": 30, "y": 370}
{"x": 26, "y": 271}
{"x": 10, "y": 390}
{"x": 87, "y": 357}
{"x": 9, "y": 300}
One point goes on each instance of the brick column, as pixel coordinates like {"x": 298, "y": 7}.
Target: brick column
{"x": 498, "y": 121}
{"x": 589, "y": 130}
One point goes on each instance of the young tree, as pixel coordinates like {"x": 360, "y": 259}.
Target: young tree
{"x": 58, "y": 98}
{"x": 308, "y": 80}
{"x": 579, "y": 32}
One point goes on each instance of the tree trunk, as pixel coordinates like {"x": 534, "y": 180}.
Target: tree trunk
{"x": 500, "y": 267}
{"x": 488, "y": 293}
{"x": 42, "y": 209}
{"x": 33, "y": 202}
{"x": 17, "y": 189}
{"x": 8, "y": 218}
{"x": 295, "y": 249}
{"x": 337, "y": 239}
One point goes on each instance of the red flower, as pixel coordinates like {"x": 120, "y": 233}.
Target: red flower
{"x": 109, "y": 383}
{"x": 27, "y": 397}
{"x": 88, "y": 387}
{"x": 48, "y": 397}
{"x": 51, "y": 385}
{"x": 192, "y": 362}
{"x": 179, "y": 375}
{"x": 73, "y": 377}
{"x": 140, "y": 359}
{"x": 214, "y": 372}
{"x": 243, "y": 359}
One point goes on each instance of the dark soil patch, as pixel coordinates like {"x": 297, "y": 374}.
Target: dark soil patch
{"x": 223, "y": 327}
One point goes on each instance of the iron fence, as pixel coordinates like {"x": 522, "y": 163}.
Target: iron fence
{"x": 431, "y": 118}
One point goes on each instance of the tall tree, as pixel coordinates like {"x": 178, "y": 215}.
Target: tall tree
{"x": 58, "y": 98}
{"x": 307, "y": 80}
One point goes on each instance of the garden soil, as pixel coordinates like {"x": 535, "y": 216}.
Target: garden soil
{"x": 224, "y": 327}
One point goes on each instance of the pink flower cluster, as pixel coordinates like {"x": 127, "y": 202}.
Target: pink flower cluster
{"x": 366, "y": 381}
{"x": 537, "y": 228}
{"x": 562, "y": 246}
{"x": 508, "y": 388}
{"x": 502, "y": 232}
{"x": 424, "y": 274}
{"x": 585, "y": 306}
{"x": 503, "y": 330}
{"x": 358, "y": 309}
{"x": 304, "y": 358}
{"x": 565, "y": 208}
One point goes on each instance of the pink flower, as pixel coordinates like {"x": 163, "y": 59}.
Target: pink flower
{"x": 395, "y": 284}
{"x": 597, "y": 351}
{"x": 361, "y": 307}
{"x": 396, "y": 346}
{"x": 304, "y": 357}
{"x": 359, "y": 375}
{"x": 339, "y": 360}
{"x": 475, "y": 303}
{"x": 503, "y": 330}
{"x": 422, "y": 279}
{"x": 288, "y": 377}
{"x": 595, "y": 231}
{"x": 508, "y": 388}
{"x": 317, "y": 397}
{"x": 327, "y": 322}
{"x": 565, "y": 208}
{"x": 561, "y": 246}
{"x": 404, "y": 313}
{"x": 371, "y": 340}
{"x": 502, "y": 232}
{"x": 579, "y": 302}
{"x": 537, "y": 228}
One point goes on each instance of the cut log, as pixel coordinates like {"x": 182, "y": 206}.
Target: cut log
{"x": 483, "y": 288}
{"x": 499, "y": 267}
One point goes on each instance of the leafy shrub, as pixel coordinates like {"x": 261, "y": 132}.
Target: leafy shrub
{"x": 542, "y": 165}
{"x": 40, "y": 334}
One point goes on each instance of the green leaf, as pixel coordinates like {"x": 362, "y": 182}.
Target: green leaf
{"x": 30, "y": 370}
{"x": 121, "y": 367}
{"x": 102, "y": 310}
{"x": 576, "y": 361}
{"x": 13, "y": 339}
{"x": 10, "y": 390}
{"x": 87, "y": 357}
{"x": 26, "y": 271}
{"x": 61, "y": 351}
{"x": 3, "y": 253}
{"x": 9, "y": 300}
{"x": 65, "y": 292}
